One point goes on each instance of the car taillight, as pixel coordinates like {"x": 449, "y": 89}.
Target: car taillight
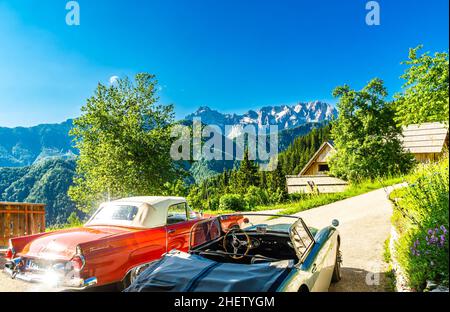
{"x": 77, "y": 262}
{"x": 9, "y": 254}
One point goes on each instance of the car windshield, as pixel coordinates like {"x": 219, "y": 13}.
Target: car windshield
{"x": 213, "y": 228}
{"x": 116, "y": 213}
{"x": 257, "y": 222}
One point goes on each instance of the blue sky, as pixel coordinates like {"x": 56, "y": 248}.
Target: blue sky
{"x": 231, "y": 55}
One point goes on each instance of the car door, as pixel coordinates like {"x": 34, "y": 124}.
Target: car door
{"x": 179, "y": 222}
{"x": 323, "y": 272}
{"x": 303, "y": 241}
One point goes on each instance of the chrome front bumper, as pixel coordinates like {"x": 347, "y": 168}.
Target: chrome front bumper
{"x": 49, "y": 277}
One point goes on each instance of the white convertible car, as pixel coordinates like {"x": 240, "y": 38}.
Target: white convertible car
{"x": 249, "y": 253}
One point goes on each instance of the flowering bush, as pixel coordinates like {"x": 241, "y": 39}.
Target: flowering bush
{"x": 422, "y": 221}
{"x": 436, "y": 238}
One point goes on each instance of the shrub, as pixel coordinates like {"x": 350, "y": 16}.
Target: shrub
{"x": 278, "y": 196}
{"x": 295, "y": 197}
{"x": 233, "y": 202}
{"x": 73, "y": 220}
{"x": 213, "y": 203}
{"x": 256, "y": 196}
{"x": 422, "y": 221}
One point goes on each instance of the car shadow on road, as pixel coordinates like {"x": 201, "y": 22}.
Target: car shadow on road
{"x": 360, "y": 280}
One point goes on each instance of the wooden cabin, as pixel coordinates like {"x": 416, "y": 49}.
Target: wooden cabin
{"x": 318, "y": 164}
{"x": 19, "y": 219}
{"x": 427, "y": 141}
{"x": 314, "y": 176}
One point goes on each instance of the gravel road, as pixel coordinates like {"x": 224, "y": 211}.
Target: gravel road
{"x": 364, "y": 226}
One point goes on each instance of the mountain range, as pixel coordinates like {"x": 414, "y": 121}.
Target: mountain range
{"x": 22, "y": 146}
{"x": 283, "y": 116}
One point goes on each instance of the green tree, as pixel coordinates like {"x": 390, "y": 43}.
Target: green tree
{"x": 123, "y": 136}
{"x": 366, "y": 136}
{"x": 277, "y": 179}
{"x": 247, "y": 174}
{"x": 425, "y": 97}
{"x": 177, "y": 188}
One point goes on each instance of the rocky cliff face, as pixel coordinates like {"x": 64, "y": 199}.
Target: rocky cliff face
{"x": 284, "y": 116}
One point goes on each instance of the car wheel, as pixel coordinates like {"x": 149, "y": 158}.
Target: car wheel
{"x": 303, "y": 289}
{"x": 125, "y": 283}
{"x": 337, "y": 267}
{"x": 131, "y": 277}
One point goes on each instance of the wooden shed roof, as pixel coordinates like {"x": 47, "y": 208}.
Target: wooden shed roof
{"x": 316, "y": 154}
{"x": 428, "y": 137}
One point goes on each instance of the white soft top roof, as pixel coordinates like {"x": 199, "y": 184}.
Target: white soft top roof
{"x": 152, "y": 210}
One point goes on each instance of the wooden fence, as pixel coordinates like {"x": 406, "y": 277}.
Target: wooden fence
{"x": 18, "y": 219}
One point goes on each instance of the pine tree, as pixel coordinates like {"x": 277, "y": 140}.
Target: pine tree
{"x": 247, "y": 174}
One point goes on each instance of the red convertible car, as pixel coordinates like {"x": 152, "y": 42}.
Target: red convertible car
{"x": 119, "y": 240}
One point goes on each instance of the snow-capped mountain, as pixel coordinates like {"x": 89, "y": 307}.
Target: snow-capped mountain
{"x": 284, "y": 116}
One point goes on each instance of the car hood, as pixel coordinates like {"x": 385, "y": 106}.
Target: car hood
{"x": 61, "y": 245}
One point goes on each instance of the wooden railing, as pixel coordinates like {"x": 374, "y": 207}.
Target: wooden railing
{"x": 19, "y": 219}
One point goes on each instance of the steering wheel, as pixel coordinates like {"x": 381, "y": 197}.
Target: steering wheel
{"x": 236, "y": 243}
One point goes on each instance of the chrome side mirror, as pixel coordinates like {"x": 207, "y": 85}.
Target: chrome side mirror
{"x": 335, "y": 222}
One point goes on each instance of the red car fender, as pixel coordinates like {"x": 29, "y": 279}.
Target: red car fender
{"x": 110, "y": 259}
{"x": 19, "y": 244}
